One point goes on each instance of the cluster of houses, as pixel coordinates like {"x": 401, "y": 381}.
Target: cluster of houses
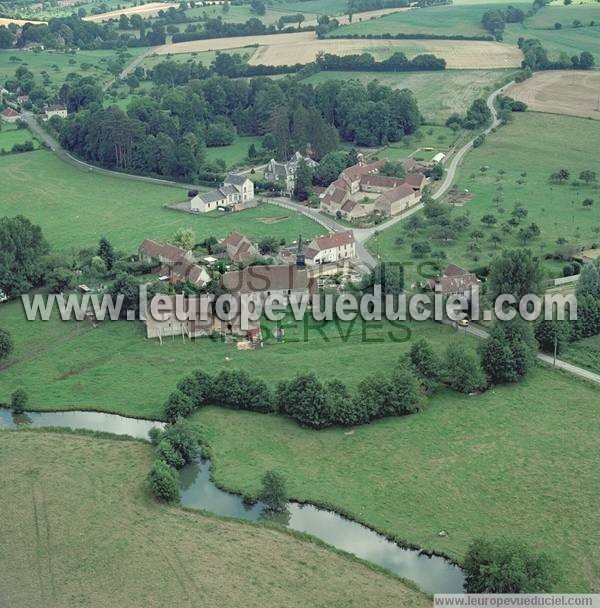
{"x": 10, "y": 115}
{"x": 236, "y": 194}
{"x": 361, "y": 191}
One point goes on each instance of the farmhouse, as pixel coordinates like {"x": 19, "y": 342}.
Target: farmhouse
{"x": 21, "y": 99}
{"x": 203, "y": 323}
{"x": 284, "y": 280}
{"x": 239, "y": 248}
{"x": 284, "y": 174}
{"x": 154, "y": 252}
{"x": 333, "y": 247}
{"x": 56, "y": 110}
{"x": 396, "y": 200}
{"x": 454, "y": 281}
{"x": 397, "y": 193}
{"x": 175, "y": 264}
{"x": 9, "y": 115}
{"x": 236, "y": 194}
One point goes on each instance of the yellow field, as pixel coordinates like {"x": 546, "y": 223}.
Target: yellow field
{"x": 576, "y": 93}
{"x": 302, "y": 47}
{"x": 146, "y": 10}
{"x": 9, "y": 20}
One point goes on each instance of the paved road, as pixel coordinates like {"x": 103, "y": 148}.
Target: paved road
{"x": 44, "y": 136}
{"x": 478, "y": 332}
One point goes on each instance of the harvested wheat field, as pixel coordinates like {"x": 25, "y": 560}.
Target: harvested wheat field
{"x": 576, "y": 93}
{"x": 360, "y": 17}
{"x": 302, "y": 47}
{"x": 8, "y": 20}
{"x": 146, "y": 10}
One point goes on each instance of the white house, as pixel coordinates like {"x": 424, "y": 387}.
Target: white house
{"x": 333, "y": 247}
{"x": 236, "y": 193}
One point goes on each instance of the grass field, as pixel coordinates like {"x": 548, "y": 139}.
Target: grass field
{"x": 76, "y": 208}
{"x": 568, "y": 40}
{"x": 74, "y": 365}
{"x": 87, "y": 533}
{"x": 205, "y": 58}
{"x": 546, "y": 17}
{"x": 528, "y": 145}
{"x": 10, "y": 135}
{"x": 448, "y": 20}
{"x": 236, "y": 153}
{"x": 584, "y": 353}
{"x": 57, "y": 65}
{"x": 482, "y": 466}
{"x": 439, "y": 93}
{"x": 424, "y": 145}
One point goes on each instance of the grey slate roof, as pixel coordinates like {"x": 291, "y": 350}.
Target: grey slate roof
{"x": 236, "y": 179}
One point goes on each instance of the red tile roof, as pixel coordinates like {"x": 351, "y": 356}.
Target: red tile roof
{"x": 333, "y": 240}
{"x": 9, "y": 112}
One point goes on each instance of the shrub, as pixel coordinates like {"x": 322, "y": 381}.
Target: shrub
{"x": 198, "y": 387}
{"x": 372, "y": 395}
{"x": 19, "y": 400}
{"x": 155, "y": 434}
{"x": 6, "y": 344}
{"x": 406, "y": 394}
{"x": 165, "y": 451}
{"x": 274, "y": 491}
{"x": 164, "y": 482}
{"x": 463, "y": 371}
{"x": 235, "y": 388}
{"x": 426, "y": 363}
{"x": 341, "y": 405}
{"x": 504, "y": 566}
{"x": 304, "y": 398}
{"x": 183, "y": 439}
{"x": 178, "y": 406}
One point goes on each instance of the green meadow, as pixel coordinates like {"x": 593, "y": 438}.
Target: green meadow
{"x": 236, "y": 153}
{"x": 57, "y": 65}
{"x": 439, "y": 93}
{"x": 518, "y": 461}
{"x": 11, "y": 135}
{"x": 527, "y": 146}
{"x": 441, "y": 20}
{"x": 88, "y": 534}
{"x": 75, "y": 208}
{"x": 547, "y": 16}
{"x": 74, "y": 365}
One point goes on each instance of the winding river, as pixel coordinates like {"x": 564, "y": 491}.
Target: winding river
{"x": 432, "y": 574}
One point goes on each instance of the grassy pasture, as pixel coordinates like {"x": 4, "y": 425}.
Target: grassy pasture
{"x": 236, "y": 153}
{"x": 439, "y": 93}
{"x": 10, "y": 135}
{"x": 57, "y": 65}
{"x": 449, "y": 20}
{"x": 88, "y": 534}
{"x": 75, "y": 366}
{"x": 584, "y": 353}
{"x": 546, "y": 17}
{"x": 481, "y": 466}
{"x": 75, "y": 208}
{"x": 528, "y": 145}
{"x": 568, "y": 40}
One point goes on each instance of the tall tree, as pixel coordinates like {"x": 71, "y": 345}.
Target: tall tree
{"x": 515, "y": 272}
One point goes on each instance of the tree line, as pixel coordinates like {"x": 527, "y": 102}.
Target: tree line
{"x": 536, "y": 57}
{"x": 398, "y": 62}
{"x": 166, "y": 133}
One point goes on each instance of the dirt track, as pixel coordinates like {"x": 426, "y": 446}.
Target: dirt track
{"x": 286, "y": 49}
{"x": 576, "y": 93}
{"x": 9, "y": 20}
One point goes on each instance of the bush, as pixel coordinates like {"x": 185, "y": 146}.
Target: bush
{"x": 304, "y": 398}
{"x": 164, "y": 482}
{"x": 165, "y": 451}
{"x": 274, "y": 491}
{"x": 237, "y": 389}
{"x": 198, "y": 387}
{"x": 183, "y": 439}
{"x": 463, "y": 371}
{"x": 504, "y": 566}
{"x": 19, "y": 400}
{"x": 155, "y": 435}
{"x": 6, "y": 344}
{"x": 426, "y": 363}
{"x": 178, "y": 406}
